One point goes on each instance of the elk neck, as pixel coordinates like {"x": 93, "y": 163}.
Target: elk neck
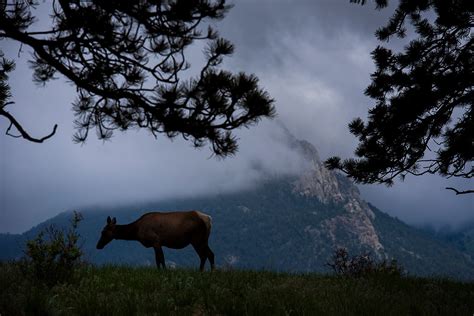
{"x": 126, "y": 232}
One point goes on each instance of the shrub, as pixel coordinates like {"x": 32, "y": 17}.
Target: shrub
{"x": 362, "y": 265}
{"x": 53, "y": 255}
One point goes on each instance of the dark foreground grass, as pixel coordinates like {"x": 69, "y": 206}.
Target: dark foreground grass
{"x": 147, "y": 291}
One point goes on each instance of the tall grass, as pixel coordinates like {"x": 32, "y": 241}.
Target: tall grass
{"x": 147, "y": 291}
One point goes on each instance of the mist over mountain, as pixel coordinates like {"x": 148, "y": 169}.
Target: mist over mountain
{"x": 290, "y": 221}
{"x": 313, "y": 57}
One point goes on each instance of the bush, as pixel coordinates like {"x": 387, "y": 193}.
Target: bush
{"x": 53, "y": 255}
{"x": 362, "y": 265}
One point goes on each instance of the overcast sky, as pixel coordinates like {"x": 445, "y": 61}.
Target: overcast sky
{"x": 313, "y": 57}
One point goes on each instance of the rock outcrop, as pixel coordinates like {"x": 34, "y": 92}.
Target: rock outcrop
{"x": 330, "y": 187}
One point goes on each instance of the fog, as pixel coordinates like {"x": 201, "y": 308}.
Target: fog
{"x": 313, "y": 57}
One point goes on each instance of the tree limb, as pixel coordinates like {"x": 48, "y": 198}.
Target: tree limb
{"x": 23, "y": 133}
{"x": 460, "y": 192}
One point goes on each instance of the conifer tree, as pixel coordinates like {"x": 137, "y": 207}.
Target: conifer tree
{"x": 127, "y": 59}
{"x": 423, "y": 118}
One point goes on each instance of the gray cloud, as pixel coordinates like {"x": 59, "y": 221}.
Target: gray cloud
{"x": 312, "y": 57}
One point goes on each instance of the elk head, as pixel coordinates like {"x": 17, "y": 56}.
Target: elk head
{"x": 108, "y": 233}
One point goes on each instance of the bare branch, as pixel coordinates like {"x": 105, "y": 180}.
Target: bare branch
{"x": 460, "y": 192}
{"x": 23, "y": 133}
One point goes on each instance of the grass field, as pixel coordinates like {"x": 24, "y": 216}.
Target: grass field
{"x": 147, "y": 291}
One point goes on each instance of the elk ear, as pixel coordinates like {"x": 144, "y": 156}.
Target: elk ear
{"x": 109, "y": 220}
{"x": 114, "y": 221}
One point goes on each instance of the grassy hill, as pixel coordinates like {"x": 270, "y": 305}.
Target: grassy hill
{"x": 147, "y": 291}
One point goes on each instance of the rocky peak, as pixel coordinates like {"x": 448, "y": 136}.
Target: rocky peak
{"x": 317, "y": 181}
{"x": 331, "y": 187}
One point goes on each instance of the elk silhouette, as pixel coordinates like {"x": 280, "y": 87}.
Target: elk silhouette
{"x": 174, "y": 230}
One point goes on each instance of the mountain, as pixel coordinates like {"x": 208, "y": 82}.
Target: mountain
{"x": 283, "y": 223}
{"x": 461, "y": 238}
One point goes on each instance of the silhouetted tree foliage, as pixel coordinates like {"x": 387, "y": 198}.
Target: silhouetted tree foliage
{"x": 126, "y": 59}
{"x": 423, "y": 119}
{"x": 54, "y": 254}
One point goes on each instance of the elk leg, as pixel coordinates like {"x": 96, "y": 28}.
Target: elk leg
{"x": 159, "y": 257}
{"x": 202, "y": 253}
{"x": 210, "y": 256}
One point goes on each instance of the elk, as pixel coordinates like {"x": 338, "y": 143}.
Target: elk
{"x": 174, "y": 230}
